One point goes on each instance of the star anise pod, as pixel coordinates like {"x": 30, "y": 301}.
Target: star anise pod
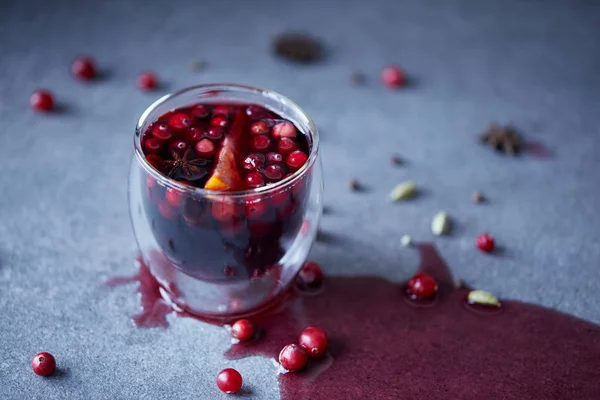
{"x": 502, "y": 138}
{"x": 181, "y": 167}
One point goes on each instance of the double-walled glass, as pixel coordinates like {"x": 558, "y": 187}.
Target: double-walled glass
{"x": 209, "y": 255}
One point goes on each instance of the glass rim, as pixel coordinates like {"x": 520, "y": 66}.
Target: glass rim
{"x": 169, "y": 182}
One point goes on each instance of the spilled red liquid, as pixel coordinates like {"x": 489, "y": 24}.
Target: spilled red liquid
{"x": 382, "y": 347}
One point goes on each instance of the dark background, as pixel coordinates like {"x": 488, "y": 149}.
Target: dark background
{"x": 64, "y": 224}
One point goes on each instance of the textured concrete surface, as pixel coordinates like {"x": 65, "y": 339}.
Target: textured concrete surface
{"x": 64, "y": 226}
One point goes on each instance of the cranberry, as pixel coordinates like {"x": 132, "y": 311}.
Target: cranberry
{"x": 180, "y": 121}
{"x": 225, "y": 111}
{"x": 310, "y": 275}
{"x": 280, "y": 199}
{"x": 229, "y": 381}
{"x": 205, "y": 148}
{"x": 274, "y": 172}
{"x": 84, "y": 68}
{"x": 173, "y": 196}
{"x": 286, "y": 145}
{"x": 293, "y": 357}
{"x": 255, "y": 180}
{"x": 254, "y": 161}
{"x": 41, "y": 100}
{"x": 200, "y": 111}
{"x": 242, "y": 330}
{"x": 422, "y": 286}
{"x": 260, "y": 143}
{"x": 296, "y": 160}
{"x": 179, "y": 146}
{"x": 314, "y": 341}
{"x": 274, "y": 158}
{"x": 284, "y": 129}
{"x": 194, "y": 134}
{"x": 152, "y": 145}
{"x": 147, "y": 81}
{"x": 220, "y": 121}
{"x": 166, "y": 210}
{"x": 224, "y": 211}
{"x": 150, "y": 181}
{"x": 43, "y": 364}
{"x": 162, "y": 133}
{"x": 393, "y": 76}
{"x": 215, "y": 133}
{"x": 155, "y": 161}
{"x": 256, "y": 209}
{"x": 260, "y": 128}
{"x": 485, "y": 242}
{"x": 256, "y": 112}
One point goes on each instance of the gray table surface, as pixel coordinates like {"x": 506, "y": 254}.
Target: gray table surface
{"x": 64, "y": 224}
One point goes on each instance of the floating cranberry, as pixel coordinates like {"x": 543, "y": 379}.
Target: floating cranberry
{"x": 229, "y": 381}
{"x": 200, "y": 112}
{"x": 225, "y": 211}
{"x": 393, "y": 76}
{"x": 215, "y": 133}
{"x": 256, "y": 112}
{"x": 205, "y": 148}
{"x": 256, "y": 208}
{"x": 293, "y": 357}
{"x": 284, "y": 129}
{"x": 166, "y": 210}
{"x": 485, "y": 242}
{"x": 152, "y": 145}
{"x": 310, "y": 275}
{"x": 274, "y": 172}
{"x": 162, "y": 133}
{"x": 314, "y": 341}
{"x": 254, "y": 161}
{"x": 224, "y": 111}
{"x": 43, "y": 364}
{"x": 41, "y": 100}
{"x": 260, "y": 128}
{"x": 147, "y": 81}
{"x": 260, "y": 143}
{"x": 180, "y": 121}
{"x": 296, "y": 160}
{"x": 274, "y": 158}
{"x": 179, "y": 146}
{"x": 242, "y": 330}
{"x": 255, "y": 180}
{"x": 84, "y": 68}
{"x": 194, "y": 134}
{"x": 422, "y": 286}
{"x": 155, "y": 161}
{"x": 174, "y": 197}
{"x": 150, "y": 181}
{"x": 286, "y": 146}
{"x": 219, "y": 121}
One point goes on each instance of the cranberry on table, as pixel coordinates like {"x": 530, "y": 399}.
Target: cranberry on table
{"x": 486, "y": 242}
{"x": 286, "y": 146}
{"x": 422, "y": 286}
{"x": 242, "y": 330}
{"x": 314, "y": 341}
{"x": 260, "y": 143}
{"x": 84, "y": 68}
{"x": 255, "y": 180}
{"x": 205, "y": 148}
{"x": 284, "y": 129}
{"x": 147, "y": 81}
{"x": 293, "y": 357}
{"x": 274, "y": 172}
{"x": 254, "y": 161}
{"x": 311, "y": 274}
{"x": 393, "y": 76}
{"x": 41, "y": 100}
{"x": 229, "y": 381}
{"x": 43, "y": 364}
{"x": 296, "y": 160}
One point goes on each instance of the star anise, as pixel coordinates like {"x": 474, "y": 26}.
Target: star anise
{"x": 298, "y": 47}
{"x": 502, "y": 138}
{"x": 181, "y": 167}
